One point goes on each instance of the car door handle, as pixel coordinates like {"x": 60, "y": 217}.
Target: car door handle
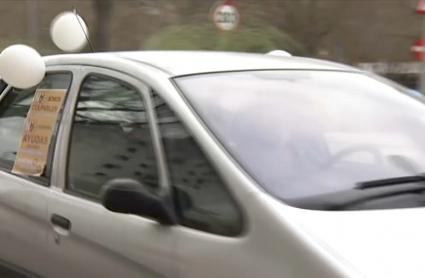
{"x": 61, "y": 222}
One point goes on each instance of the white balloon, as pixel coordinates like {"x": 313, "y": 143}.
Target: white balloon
{"x": 69, "y": 32}
{"x": 281, "y": 53}
{"x": 21, "y": 66}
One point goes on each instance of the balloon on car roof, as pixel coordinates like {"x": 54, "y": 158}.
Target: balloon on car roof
{"x": 69, "y": 32}
{"x": 281, "y": 53}
{"x": 21, "y": 66}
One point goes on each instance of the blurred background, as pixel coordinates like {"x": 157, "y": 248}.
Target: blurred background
{"x": 373, "y": 34}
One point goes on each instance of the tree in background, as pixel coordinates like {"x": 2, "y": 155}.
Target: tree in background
{"x": 354, "y": 30}
{"x": 309, "y": 21}
{"x": 103, "y": 13}
{"x": 197, "y": 34}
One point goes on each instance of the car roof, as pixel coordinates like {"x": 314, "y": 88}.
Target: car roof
{"x": 178, "y": 63}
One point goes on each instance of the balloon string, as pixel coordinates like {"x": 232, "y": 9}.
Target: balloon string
{"x": 82, "y": 28}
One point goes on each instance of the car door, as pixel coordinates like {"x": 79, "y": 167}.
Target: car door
{"x": 23, "y": 196}
{"x": 211, "y": 230}
{"x": 106, "y": 134}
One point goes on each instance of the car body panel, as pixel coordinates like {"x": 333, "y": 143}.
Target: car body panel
{"x": 104, "y": 244}
{"x": 114, "y": 245}
{"x": 23, "y": 210}
{"x": 276, "y": 240}
{"x": 274, "y": 245}
{"x": 24, "y": 224}
{"x": 380, "y": 243}
{"x": 178, "y": 63}
{"x": 193, "y": 261}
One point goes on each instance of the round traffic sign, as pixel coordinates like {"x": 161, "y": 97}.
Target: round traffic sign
{"x": 418, "y": 49}
{"x": 226, "y": 16}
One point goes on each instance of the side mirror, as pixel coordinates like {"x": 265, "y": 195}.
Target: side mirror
{"x": 130, "y": 197}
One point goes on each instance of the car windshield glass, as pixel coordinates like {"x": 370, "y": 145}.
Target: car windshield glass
{"x": 301, "y": 134}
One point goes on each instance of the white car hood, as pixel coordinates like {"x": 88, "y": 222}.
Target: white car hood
{"x": 380, "y": 243}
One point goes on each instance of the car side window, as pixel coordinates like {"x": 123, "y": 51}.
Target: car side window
{"x": 110, "y": 138}
{"x": 202, "y": 200}
{"x": 14, "y": 108}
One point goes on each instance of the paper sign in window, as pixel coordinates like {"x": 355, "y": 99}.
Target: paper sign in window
{"x": 38, "y": 129}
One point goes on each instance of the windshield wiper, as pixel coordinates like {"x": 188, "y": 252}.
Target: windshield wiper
{"x": 390, "y": 181}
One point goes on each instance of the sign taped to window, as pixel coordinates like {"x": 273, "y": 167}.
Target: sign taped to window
{"x": 38, "y": 129}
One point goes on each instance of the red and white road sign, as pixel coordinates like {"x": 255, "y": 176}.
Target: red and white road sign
{"x": 418, "y": 49}
{"x": 226, "y": 15}
{"x": 420, "y": 8}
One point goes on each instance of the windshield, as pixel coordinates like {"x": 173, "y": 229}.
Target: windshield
{"x": 301, "y": 134}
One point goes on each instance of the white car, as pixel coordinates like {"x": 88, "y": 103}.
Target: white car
{"x": 196, "y": 164}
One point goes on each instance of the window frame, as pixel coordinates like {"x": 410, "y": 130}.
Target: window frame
{"x": 52, "y": 147}
{"x": 63, "y": 153}
{"x": 63, "y": 147}
{"x": 234, "y": 200}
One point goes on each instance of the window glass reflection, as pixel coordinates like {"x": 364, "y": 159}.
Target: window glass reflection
{"x": 110, "y": 139}
{"x": 202, "y": 199}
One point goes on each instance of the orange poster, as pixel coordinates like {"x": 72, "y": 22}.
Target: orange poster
{"x": 37, "y": 133}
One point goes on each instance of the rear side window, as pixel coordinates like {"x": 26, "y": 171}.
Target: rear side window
{"x": 15, "y": 125}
